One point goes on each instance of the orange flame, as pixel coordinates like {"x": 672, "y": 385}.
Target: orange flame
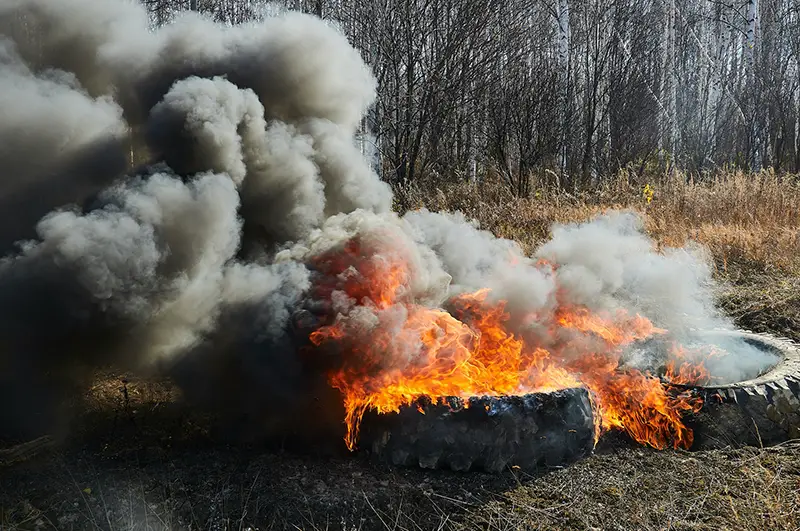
{"x": 406, "y": 350}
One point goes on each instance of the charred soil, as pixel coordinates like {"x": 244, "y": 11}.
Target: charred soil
{"x": 153, "y": 467}
{"x": 146, "y": 462}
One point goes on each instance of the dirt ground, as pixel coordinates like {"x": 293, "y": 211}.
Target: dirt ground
{"x": 146, "y": 463}
{"x": 124, "y": 477}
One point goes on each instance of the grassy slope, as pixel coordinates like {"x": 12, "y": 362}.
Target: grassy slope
{"x": 150, "y": 465}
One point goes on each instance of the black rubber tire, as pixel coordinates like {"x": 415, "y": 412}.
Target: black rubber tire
{"x": 761, "y": 411}
{"x": 493, "y": 433}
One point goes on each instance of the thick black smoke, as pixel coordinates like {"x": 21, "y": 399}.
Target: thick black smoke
{"x": 199, "y": 262}
{"x": 254, "y": 129}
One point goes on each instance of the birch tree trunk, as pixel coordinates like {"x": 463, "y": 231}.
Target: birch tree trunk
{"x": 750, "y": 55}
{"x": 667, "y": 134}
{"x": 564, "y": 61}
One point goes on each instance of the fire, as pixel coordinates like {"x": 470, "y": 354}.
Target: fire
{"x": 393, "y": 350}
{"x": 687, "y": 365}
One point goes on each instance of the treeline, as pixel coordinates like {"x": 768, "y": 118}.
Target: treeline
{"x": 573, "y": 91}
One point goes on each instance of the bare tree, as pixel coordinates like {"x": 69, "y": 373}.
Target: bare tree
{"x": 584, "y": 88}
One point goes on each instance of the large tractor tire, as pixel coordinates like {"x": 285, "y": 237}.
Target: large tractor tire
{"x": 761, "y": 411}
{"x": 484, "y": 433}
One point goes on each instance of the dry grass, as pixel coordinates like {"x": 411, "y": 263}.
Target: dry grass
{"x": 750, "y": 223}
{"x": 640, "y": 489}
{"x": 148, "y": 475}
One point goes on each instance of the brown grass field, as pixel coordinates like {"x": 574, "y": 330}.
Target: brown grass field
{"x": 750, "y": 224}
{"x": 146, "y": 463}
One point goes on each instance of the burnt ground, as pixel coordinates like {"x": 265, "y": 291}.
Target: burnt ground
{"x": 114, "y": 474}
{"x": 149, "y": 463}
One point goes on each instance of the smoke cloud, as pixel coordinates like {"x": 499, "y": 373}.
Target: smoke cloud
{"x": 212, "y": 261}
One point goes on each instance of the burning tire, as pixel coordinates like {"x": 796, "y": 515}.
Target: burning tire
{"x": 762, "y": 410}
{"x": 484, "y": 433}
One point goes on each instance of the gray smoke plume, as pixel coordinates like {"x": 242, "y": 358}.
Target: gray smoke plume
{"x": 57, "y": 143}
{"x": 213, "y": 261}
{"x": 254, "y": 126}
